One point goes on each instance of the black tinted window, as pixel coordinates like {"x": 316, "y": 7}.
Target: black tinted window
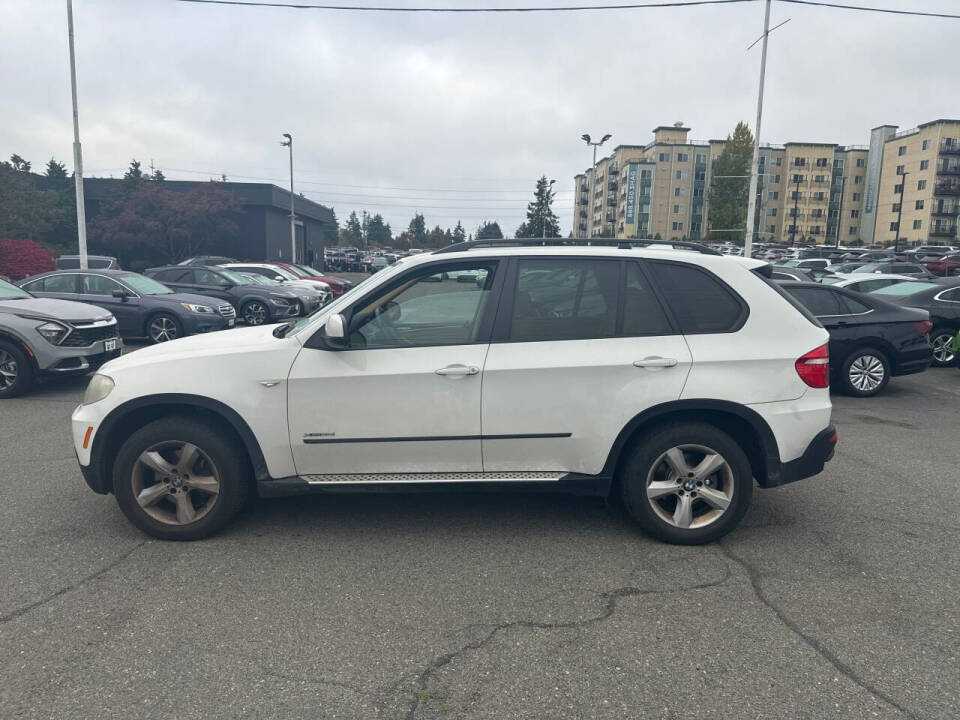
{"x": 172, "y": 275}
{"x": 206, "y": 277}
{"x": 854, "y": 306}
{"x": 951, "y": 295}
{"x": 642, "y": 314}
{"x": 60, "y": 283}
{"x": 565, "y": 299}
{"x": 700, "y": 302}
{"x": 818, "y": 301}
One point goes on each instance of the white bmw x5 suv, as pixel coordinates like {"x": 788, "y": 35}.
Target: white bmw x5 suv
{"x": 671, "y": 379}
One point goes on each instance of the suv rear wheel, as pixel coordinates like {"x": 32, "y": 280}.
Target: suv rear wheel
{"x": 688, "y": 483}
{"x": 16, "y": 373}
{"x": 177, "y": 479}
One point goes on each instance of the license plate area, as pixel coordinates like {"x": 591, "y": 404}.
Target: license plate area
{"x": 109, "y": 345}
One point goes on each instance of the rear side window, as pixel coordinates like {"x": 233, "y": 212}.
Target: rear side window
{"x": 819, "y": 301}
{"x": 206, "y": 277}
{"x": 172, "y": 275}
{"x": 565, "y": 299}
{"x": 853, "y": 306}
{"x": 642, "y": 314}
{"x": 699, "y": 301}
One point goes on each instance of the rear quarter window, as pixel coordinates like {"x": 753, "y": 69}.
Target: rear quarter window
{"x": 700, "y": 302}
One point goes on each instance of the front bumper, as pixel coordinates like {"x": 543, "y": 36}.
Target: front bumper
{"x": 818, "y": 453}
{"x": 196, "y": 323}
{"x": 60, "y": 361}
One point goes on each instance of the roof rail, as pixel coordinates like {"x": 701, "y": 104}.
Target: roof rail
{"x": 624, "y": 244}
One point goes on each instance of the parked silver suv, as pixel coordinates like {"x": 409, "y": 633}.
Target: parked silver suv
{"x": 43, "y": 336}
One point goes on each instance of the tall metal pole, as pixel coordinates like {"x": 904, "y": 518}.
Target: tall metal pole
{"x": 77, "y": 153}
{"x": 593, "y": 190}
{"x": 754, "y": 170}
{"x": 796, "y": 200}
{"x": 903, "y": 184}
{"x": 293, "y": 223}
{"x": 843, "y": 183}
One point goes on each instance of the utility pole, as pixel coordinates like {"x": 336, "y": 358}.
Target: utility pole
{"x": 543, "y": 212}
{"x": 843, "y": 183}
{"x": 754, "y": 169}
{"x": 903, "y": 184}
{"x": 77, "y": 152}
{"x": 593, "y": 177}
{"x": 796, "y": 200}
{"x": 293, "y": 224}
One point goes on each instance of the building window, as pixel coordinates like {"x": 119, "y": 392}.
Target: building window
{"x": 899, "y": 169}
{"x": 918, "y": 205}
{"x": 926, "y": 146}
{"x": 858, "y": 180}
{"x": 679, "y": 192}
{"x": 772, "y": 212}
{"x": 700, "y": 158}
{"x": 897, "y": 189}
{"x": 664, "y": 157}
{"x": 818, "y": 178}
{"x": 921, "y": 184}
{"x": 853, "y": 230}
{"x": 815, "y": 230}
{"x": 771, "y": 229}
{"x": 856, "y": 197}
{"x": 821, "y": 162}
{"x": 894, "y": 226}
{"x": 682, "y": 157}
{"x": 861, "y": 162}
{"x": 681, "y": 175}
{"x": 917, "y": 224}
{"x": 778, "y": 161}
{"x": 854, "y": 213}
{"x": 677, "y": 209}
{"x": 902, "y": 150}
{"x": 773, "y": 195}
{"x": 798, "y": 178}
{"x": 924, "y": 164}
{"x": 819, "y": 196}
{"x": 776, "y": 180}
{"x": 678, "y": 226}
{"x": 799, "y": 162}
{"x": 896, "y": 207}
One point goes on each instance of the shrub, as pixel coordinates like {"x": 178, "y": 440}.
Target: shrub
{"x": 20, "y": 258}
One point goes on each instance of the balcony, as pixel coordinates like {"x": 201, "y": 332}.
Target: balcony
{"x": 613, "y": 169}
{"x": 611, "y": 216}
{"x": 949, "y": 146}
{"x": 584, "y": 201}
{"x": 612, "y": 185}
{"x": 583, "y": 214}
{"x": 584, "y": 188}
{"x": 947, "y": 188}
{"x": 948, "y": 168}
{"x": 943, "y": 231}
{"x": 944, "y": 208}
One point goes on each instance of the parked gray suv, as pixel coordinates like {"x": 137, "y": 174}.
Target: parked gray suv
{"x": 46, "y": 337}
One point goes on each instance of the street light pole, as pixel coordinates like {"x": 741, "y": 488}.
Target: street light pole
{"x": 903, "y": 184}
{"x": 755, "y": 166}
{"x": 593, "y": 177}
{"x": 796, "y": 200}
{"x": 293, "y": 225}
{"x": 546, "y": 206}
{"x": 843, "y": 183}
{"x": 77, "y": 152}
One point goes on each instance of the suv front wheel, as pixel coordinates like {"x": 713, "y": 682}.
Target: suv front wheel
{"x": 687, "y": 483}
{"x": 177, "y": 479}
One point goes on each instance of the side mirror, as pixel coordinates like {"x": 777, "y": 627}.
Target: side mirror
{"x": 279, "y": 278}
{"x": 122, "y": 294}
{"x": 335, "y": 327}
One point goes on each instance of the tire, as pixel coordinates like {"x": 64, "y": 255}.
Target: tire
{"x": 196, "y": 496}
{"x": 941, "y": 338}
{"x": 864, "y": 372}
{"x": 163, "y": 327}
{"x": 16, "y": 370}
{"x": 255, "y": 312}
{"x": 654, "y": 467}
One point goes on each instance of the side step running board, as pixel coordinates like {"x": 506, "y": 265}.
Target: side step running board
{"x": 450, "y": 477}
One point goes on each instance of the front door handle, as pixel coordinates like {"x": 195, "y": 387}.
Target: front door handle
{"x": 655, "y": 362}
{"x": 458, "y": 370}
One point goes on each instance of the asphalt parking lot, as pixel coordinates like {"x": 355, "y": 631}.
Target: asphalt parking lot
{"x": 837, "y": 598}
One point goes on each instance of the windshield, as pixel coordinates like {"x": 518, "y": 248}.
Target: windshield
{"x": 146, "y": 286}
{"x": 870, "y": 267}
{"x": 236, "y": 278}
{"x": 788, "y": 263}
{"x": 12, "y": 292}
{"x": 905, "y": 288}
{"x": 308, "y": 271}
{"x": 261, "y": 279}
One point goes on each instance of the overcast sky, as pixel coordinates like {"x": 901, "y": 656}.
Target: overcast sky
{"x": 461, "y": 112}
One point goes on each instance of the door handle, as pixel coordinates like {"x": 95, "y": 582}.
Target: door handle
{"x": 458, "y": 370}
{"x": 655, "y": 362}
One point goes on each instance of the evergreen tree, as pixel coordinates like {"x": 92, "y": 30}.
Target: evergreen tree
{"x": 489, "y": 231}
{"x": 730, "y": 186}
{"x": 541, "y": 220}
{"x": 459, "y": 235}
{"x": 418, "y": 230}
{"x": 352, "y": 234}
{"x": 378, "y": 232}
{"x": 133, "y": 174}
{"x": 56, "y": 170}
{"x": 19, "y": 164}
{"x": 158, "y": 176}
{"x": 364, "y": 229}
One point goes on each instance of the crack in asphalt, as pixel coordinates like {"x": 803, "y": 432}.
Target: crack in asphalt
{"x": 611, "y": 596}
{"x": 14, "y": 614}
{"x": 753, "y": 575}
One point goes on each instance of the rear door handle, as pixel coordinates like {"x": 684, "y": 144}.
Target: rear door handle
{"x": 458, "y": 370}
{"x": 655, "y": 362}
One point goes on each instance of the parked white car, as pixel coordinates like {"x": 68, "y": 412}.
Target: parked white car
{"x": 667, "y": 378}
{"x": 868, "y": 282}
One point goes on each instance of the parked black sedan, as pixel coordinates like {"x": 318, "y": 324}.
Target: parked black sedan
{"x": 257, "y": 304}
{"x": 940, "y": 298}
{"x": 143, "y": 307}
{"x": 871, "y": 339}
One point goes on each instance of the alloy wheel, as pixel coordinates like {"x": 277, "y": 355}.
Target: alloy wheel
{"x": 942, "y": 348}
{"x": 254, "y": 313}
{"x": 690, "y": 486}
{"x": 162, "y": 329}
{"x": 866, "y": 373}
{"x": 175, "y": 483}
{"x": 8, "y": 370}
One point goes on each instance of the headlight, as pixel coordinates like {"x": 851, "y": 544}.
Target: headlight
{"x": 100, "y": 386}
{"x": 53, "y": 332}
{"x": 281, "y": 300}
{"x": 198, "y": 308}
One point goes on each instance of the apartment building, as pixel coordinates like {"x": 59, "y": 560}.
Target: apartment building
{"x": 806, "y": 192}
{"x": 918, "y": 197}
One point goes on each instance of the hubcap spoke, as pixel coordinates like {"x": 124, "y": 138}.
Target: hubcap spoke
{"x": 713, "y": 498}
{"x": 683, "y": 515}
{"x": 188, "y": 457}
{"x": 155, "y": 462}
{"x": 151, "y": 495}
{"x": 708, "y": 466}
{"x": 677, "y": 462}
{"x": 185, "y": 511}
{"x": 205, "y": 483}
{"x": 661, "y": 488}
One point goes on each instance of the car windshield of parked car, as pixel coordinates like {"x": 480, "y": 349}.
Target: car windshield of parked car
{"x": 308, "y": 271}
{"x": 870, "y": 267}
{"x": 905, "y": 288}
{"x": 261, "y": 279}
{"x": 146, "y": 286}
{"x": 12, "y": 292}
{"x": 236, "y": 278}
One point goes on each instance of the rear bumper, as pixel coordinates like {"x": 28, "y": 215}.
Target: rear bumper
{"x": 818, "y": 453}
{"x": 914, "y": 361}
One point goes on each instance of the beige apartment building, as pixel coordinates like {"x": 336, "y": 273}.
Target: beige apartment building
{"x": 807, "y": 192}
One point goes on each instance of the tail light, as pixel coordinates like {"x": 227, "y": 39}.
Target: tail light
{"x": 922, "y": 327}
{"x": 814, "y": 367}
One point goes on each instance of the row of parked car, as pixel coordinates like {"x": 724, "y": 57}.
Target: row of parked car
{"x": 71, "y": 321}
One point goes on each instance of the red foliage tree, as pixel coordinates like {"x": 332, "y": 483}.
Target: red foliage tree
{"x": 20, "y": 258}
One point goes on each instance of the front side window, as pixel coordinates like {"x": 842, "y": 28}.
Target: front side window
{"x": 146, "y": 286}
{"x": 442, "y": 308}
{"x": 699, "y": 301}
{"x": 99, "y": 285}
{"x": 565, "y": 299}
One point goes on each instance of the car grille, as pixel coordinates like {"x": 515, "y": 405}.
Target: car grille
{"x": 86, "y": 336}
{"x": 227, "y": 311}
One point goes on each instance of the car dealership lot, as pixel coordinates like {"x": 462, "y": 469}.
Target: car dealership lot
{"x": 837, "y": 596}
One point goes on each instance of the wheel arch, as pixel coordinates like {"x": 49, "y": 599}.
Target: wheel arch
{"x": 132, "y": 415}
{"x": 745, "y": 425}
{"x": 15, "y": 339}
